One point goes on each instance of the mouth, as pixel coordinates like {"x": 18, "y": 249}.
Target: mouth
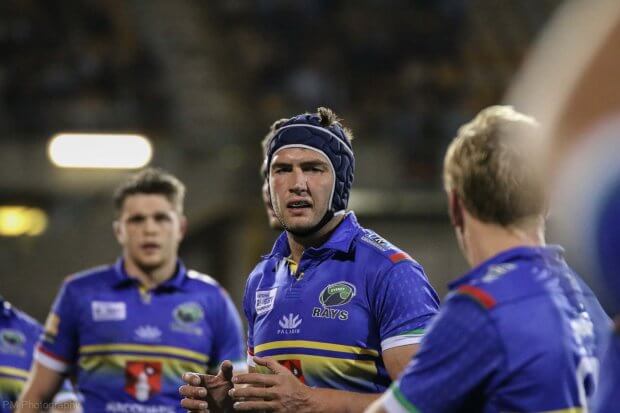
{"x": 150, "y": 247}
{"x": 300, "y": 204}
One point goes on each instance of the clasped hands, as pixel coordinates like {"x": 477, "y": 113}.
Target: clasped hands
{"x": 280, "y": 391}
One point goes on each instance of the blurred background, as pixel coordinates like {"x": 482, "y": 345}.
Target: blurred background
{"x": 203, "y": 80}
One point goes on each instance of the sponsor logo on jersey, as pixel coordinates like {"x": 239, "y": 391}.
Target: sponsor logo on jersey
{"x": 289, "y": 324}
{"x": 142, "y": 379}
{"x": 186, "y": 318}
{"x": 295, "y": 367}
{"x": 12, "y": 342}
{"x": 148, "y": 333}
{"x": 376, "y": 241}
{"x": 108, "y": 311}
{"x": 265, "y": 300}
{"x": 118, "y": 407}
{"x": 51, "y": 324}
{"x": 496, "y": 271}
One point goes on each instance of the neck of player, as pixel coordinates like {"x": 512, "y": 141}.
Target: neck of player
{"x": 299, "y": 244}
{"x": 485, "y": 240}
{"x": 150, "y": 277}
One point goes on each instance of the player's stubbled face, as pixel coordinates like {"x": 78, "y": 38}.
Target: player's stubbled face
{"x": 301, "y": 184}
{"x": 274, "y": 223}
{"x": 149, "y": 229}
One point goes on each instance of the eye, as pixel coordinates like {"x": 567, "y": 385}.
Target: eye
{"x": 136, "y": 219}
{"x": 277, "y": 170}
{"x": 162, "y": 218}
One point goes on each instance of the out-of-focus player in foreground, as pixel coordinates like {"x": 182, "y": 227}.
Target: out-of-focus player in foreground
{"x": 514, "y": 334}
{"x": 129, "y": 330}
{"x": 334, "y": 311}
{"x": 571, "y": 80}
{"x": 18, "y": 335}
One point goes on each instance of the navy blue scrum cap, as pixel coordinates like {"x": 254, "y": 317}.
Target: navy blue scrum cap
{"x": 306, "y": 131}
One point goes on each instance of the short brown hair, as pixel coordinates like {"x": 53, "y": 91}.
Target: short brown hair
{"x": 151, "y": 181}
{"x": 491, "y": 166}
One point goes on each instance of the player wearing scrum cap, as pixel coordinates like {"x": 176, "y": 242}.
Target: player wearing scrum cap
{"x": 334, "y": 311}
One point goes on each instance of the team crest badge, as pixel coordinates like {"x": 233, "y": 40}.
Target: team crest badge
{"x": 334, "y": 295}
{"x": 12, "y": 342}
{"x": 337, "y": 294}
{"x": 188, "y": 313}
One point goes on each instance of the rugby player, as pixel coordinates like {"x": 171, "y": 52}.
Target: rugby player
{"x": 128, "y": 330}
{"x": 514, "y": 334}
{"x": 18, "y": 335}
{"x": 334, "y": 311}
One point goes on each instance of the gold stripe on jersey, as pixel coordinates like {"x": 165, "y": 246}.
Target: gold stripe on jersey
{"x": 315, "y": 345}
{"x": 137, "y": 348}
{"x": 12, "y": 371}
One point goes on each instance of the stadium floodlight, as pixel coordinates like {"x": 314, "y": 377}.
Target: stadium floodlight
{"x": 106, "y": 151}
{"x": 18, "y": 220}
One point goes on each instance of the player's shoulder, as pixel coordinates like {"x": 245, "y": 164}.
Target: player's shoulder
{"x": 202, "y": 281}
{"x": 377, "y": 249}
{"x": 497, "y": 284}
{"x": 95, "y": 276}
{"x": 27, "y": 324}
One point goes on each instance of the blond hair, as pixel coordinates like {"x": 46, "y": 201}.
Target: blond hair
{"x": 492, "y": 166}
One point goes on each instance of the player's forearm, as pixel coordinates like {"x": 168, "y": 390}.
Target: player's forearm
{"x": 31, "y": 401}
{"x": 339, "y": 401}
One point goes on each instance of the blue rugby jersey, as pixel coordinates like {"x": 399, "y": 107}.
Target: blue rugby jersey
{"x": 19, "y": 334}
{"x": 355, "y": 296}
{"x": 607, "y": 397}
{"x": 129, "y": 347}
{"x": 513, "y": 336}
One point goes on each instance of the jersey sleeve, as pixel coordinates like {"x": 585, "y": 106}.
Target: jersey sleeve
{"x": 461, "y": 351}
{"x": 248, "y": 307}
{"x": 58, "y": 347}
{"x": 404, "y": 303}
{"x": 228, "y": 335}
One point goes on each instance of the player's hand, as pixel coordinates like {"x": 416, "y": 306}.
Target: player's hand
{"x": 208, "y": 393}
{"x": 277, "y": 392}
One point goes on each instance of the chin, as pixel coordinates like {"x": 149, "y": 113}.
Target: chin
{"x": 150, "y": 264}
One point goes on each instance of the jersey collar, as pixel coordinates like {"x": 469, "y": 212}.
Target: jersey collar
{"x": 6, "y": 309}
{"x": 550, "y": 252}
{"x": 122, "y": 279}
{"x": 340, "y": 240}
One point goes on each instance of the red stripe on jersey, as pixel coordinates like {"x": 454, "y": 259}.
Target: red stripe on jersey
{"x": 251, "y": 351}
{"x": 481, "y": 296}
{"x": 399, "y": 256}
{"x": 52, "y": 355}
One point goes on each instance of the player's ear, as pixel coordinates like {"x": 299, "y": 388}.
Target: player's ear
{"x": 116, "y": 228}
{"x": 455, "y": 209}
{"x": 183, "y": 225}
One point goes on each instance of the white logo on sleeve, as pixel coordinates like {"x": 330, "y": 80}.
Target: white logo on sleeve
{"x": 108, "y": 311}
{"x": 265, "y": 300}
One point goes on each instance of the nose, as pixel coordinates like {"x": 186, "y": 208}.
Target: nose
{"x": 300, "y": 181}
{"x": 150, "y": 225}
